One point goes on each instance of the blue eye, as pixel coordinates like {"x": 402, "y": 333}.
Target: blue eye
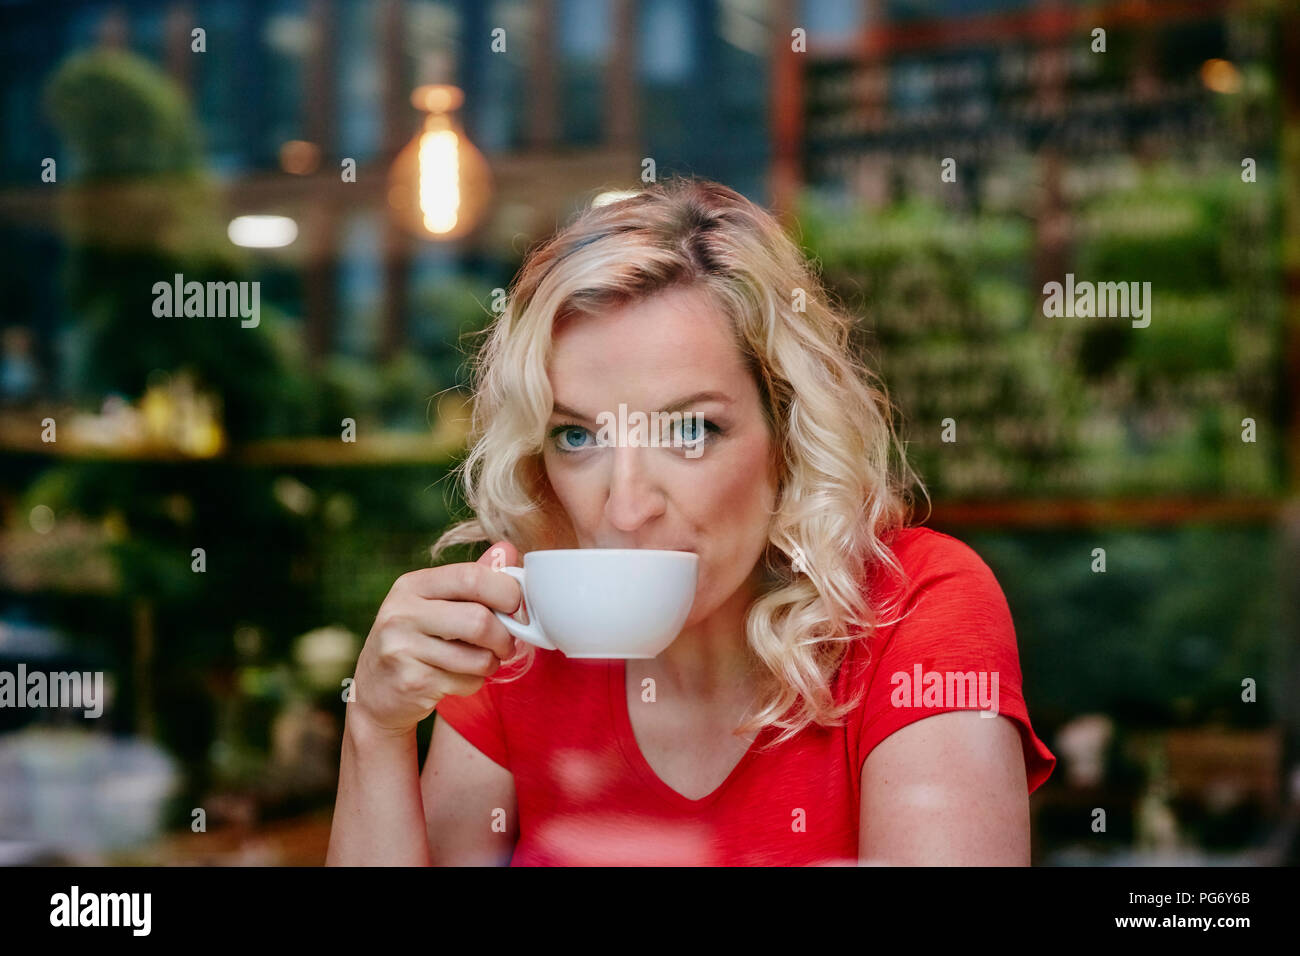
{"x": 565, "y": 435}
{"x": 694, "y": 432}
{"x": 688, "y": 432}
{"x": 690, "y": 429}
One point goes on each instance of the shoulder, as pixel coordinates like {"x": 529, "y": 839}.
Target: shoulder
{"x": 918, "y": 547}
{"x": 930, "y": 560}
{"x": 943, "y": 605}
{"x": 945, "y": 641}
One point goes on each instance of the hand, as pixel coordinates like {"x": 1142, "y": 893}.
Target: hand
{"x": 435, "y": 634}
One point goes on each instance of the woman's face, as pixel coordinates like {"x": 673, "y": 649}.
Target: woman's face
{"x": 674, "y": 352}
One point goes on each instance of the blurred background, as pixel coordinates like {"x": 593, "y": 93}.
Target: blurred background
{"x": 210, "y": 511}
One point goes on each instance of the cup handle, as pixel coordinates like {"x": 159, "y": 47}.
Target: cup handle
{"x": 530, "y": 632}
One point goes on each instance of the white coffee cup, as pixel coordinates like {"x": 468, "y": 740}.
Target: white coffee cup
{"x": 604, "y": 602}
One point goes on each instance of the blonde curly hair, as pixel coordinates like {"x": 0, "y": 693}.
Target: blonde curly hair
{"x": 845, "y": 483}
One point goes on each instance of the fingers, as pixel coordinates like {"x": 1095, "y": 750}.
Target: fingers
{"x": 465, "y": 622}
{"x": 479, "y": 582}
{"x": 436, "y": 635}
{"x": 456, "y": 657}
{"x": 458, "y": 685}
{"x": 414, "y": 662}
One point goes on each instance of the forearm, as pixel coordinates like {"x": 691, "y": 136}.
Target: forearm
{"x": 378, "y": 814}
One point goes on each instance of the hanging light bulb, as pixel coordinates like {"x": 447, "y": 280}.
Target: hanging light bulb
{"x": 440, "y": 184}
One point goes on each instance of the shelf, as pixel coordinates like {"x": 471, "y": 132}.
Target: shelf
{"x": 391, "y": 448}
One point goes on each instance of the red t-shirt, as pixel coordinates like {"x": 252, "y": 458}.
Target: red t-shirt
{"x": 587, "y": 796}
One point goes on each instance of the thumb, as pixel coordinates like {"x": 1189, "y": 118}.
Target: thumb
{"x": 500, "y": 555}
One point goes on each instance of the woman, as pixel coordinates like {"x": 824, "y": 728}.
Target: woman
{"x": 784, "y": 725}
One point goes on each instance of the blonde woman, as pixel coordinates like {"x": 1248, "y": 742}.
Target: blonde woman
{"x": 846, "y": 688}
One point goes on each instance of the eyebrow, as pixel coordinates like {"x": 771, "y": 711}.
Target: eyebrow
{"x": 559, "y": 408}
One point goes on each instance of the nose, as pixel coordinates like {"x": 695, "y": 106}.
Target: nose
{"x": 634, "y": 496}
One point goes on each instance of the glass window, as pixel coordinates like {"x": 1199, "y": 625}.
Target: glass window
{"x": 84, "y": 26}
{"x": 434, "y": 270}
{"x": 831, "y": 19}
{"x": 502, "y": 113}
{"x": 585, "y": 29}
{"x": 936, "y": 9}
{"x": 360, "y": 285}
{"x": 286, "y": 36}
{"x": 584, "y": 42}
{"x": 218, "y": 104}
{"x": 667, "y": 41}
{"x": 26, "y": 138}
{"x": 359, "y": 86}
{"x": 147, "y": 34}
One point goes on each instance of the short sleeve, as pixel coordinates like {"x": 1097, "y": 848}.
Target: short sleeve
{"x": 477, "y": 718}
{"x": 954, "y": 649}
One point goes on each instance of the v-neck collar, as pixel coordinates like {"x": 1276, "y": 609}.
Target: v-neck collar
{"x": 626, "y": 737}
